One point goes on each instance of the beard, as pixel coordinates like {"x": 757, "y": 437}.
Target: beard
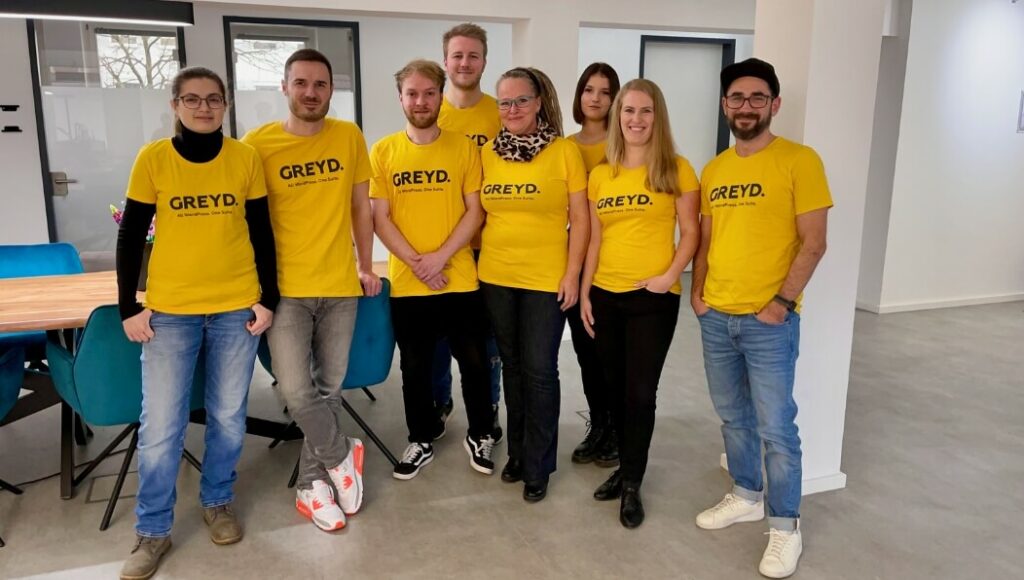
{"x": 760, "y": 126}
{"x": 466, "y": 86}
{"x": 422, "y": 122}
{"x": 299, "y": 110}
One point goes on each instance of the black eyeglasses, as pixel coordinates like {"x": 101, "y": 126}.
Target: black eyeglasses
{"x": 757, "y": 101}
{"x": 194, "y": 101}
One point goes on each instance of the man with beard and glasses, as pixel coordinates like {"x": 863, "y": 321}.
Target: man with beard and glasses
{"x": 426, "y": 208}
{"x": 764, "y": 208}
{"x": 318, "y": 174}
{"x": 469, "y": 111}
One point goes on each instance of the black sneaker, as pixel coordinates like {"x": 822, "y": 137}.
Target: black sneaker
{"x": 591, "y": 445}
{"x": 416, "y": 456}
{"x": 479, "y": 449}
{"x": 496, "y": 432}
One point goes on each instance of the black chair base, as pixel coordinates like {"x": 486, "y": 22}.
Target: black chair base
{"x": 129, "y": 453}
{"x": 13, "y": 489}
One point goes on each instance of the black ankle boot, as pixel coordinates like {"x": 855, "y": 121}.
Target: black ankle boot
{"x": 608, "y": 454}
{"x": 513, "y": 471}
{"x": 534, "y": 492}
{"x": 631, "y": 511}
{"x": 588, "y": 449}
{"x": 611, "y": 488}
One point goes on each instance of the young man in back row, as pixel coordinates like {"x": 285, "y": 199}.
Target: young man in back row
{"x": 467, "y": 110}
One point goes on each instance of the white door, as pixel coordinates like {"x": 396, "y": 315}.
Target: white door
{"x": 688, "y": 74}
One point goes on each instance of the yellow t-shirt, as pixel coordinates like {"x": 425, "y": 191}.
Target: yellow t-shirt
{"x": 638, "y": 226}
{"x": 525, "y": 240}
{"x": 593, "y": 155}
{"x": 753, "y": 202}
{"x": 424, "y": 186}
{"x": 480, "y": 122}
{"x": 309, "y": 180}
{"x": 202, "y": 261}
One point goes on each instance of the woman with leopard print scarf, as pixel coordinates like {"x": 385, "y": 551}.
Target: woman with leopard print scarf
{"x": 534, "y": 186}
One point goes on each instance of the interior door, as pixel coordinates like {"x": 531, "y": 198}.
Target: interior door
{"x": 105, "y": 92}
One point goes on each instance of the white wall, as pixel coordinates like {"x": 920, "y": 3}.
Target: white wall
{"x": 22, "y": 211}
{"x": 892, "y": 69}
{"x": 955, "y": 234}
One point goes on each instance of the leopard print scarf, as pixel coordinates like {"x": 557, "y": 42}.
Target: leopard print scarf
{"x": 523, "y": 148}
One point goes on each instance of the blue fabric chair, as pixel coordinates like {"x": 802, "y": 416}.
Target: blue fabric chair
{"x": 102, "y": 382}
{"x": 12, "y": 372}
{"x": 369, "y": 357}
{"x": 35, "y": 260}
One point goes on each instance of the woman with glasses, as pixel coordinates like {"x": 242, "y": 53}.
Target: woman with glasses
{"x": 211, "y": 291}
{"x": 534, "y": 186}
{"x": 595, "y": 91}
{"x": 630, "y": 293}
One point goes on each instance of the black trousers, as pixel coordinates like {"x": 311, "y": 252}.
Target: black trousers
{"x": 633, "y": 331}
{"x": 420, "y": 322}
{"x": 595, "y": 387}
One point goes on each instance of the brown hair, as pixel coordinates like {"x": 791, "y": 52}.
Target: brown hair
{"x": 662, "y": 171}
{"x": 308, "y": 55}
{"x": 427, "y": 68}
{"x": 545, "y": 92}
{"x": 193, "y": 72}
{"x": 467, "y": 29}
{"x": 597, "y": 68}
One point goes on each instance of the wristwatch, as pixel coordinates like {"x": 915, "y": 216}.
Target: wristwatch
{"x": 789, "y": 304}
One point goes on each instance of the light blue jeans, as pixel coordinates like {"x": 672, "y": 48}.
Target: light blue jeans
{"x": 750, "y": 368}
{"x": 168, "y": 365}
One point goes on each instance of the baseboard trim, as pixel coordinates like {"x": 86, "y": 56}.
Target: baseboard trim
{"x": 912, "y": 306}
{"x": 810, "y": 486}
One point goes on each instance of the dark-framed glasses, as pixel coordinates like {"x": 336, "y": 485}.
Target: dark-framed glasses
{"x": 756, "y": 100}
{"x": 214, "y": 101}
{"x": 518, "y": 102}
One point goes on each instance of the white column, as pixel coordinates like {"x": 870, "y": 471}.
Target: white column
{"x": 826, "y": 54}
{"x": 551, "y": 44}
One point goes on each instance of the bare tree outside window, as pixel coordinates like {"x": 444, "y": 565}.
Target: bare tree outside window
{"x": 260, "y": 63}
{"x": 136, "y": 60}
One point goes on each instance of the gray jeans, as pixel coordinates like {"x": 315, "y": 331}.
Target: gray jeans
{"x": 309, "y": 343}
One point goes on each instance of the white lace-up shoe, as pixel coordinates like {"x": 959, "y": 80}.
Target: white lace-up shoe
{"x": 733, "y": 509}
{"x": 782, "y": 554}
{"x": 318, "y": 505}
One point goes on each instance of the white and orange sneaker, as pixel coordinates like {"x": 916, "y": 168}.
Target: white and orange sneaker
{"x": 318, "y": 505}
{"x": 348, "y": 478}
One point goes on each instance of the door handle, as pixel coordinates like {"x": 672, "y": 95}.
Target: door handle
{"x": 65, "y": 180}
{"x": 60, "y": 182}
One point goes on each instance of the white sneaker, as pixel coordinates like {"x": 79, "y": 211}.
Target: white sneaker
{"x": 318, "y": 505}
{"x": 347, "y": 478}
{"x": 733, "y": 509}
{"x": 782, "y": 554}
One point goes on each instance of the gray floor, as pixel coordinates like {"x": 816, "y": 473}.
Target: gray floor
{"x": 934, "y": 451}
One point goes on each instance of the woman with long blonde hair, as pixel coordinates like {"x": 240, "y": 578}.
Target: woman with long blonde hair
{"x": 631, "y": 290}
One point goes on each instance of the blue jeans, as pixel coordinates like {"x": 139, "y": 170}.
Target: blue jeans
{"x": 750, "y": 367}
{"x": 528, "y": 325}
{"x": 168, "y": 365}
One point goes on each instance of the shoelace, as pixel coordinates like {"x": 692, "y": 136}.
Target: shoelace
{"x": 590, "y": 437}
{"x": 323, "y": 494}
{"x": 778, "y": 542}
{"x": 727, "y": 502}
{"x": 140, "y": 540}
{"x": 221, "y": 509}
{"x": 486, "y": 447}
{"x": 412, "y": 452}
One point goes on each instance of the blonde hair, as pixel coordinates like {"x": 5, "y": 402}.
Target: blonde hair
{"x": 662, "y": 171}
{"x": 427, "y": 68}
{"x": 467, "y": 29}
{"x": 545, "y": 92}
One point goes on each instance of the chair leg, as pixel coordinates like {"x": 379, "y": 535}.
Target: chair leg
{"x": 369, "y": 394}
{"x": 280, "y": 436}
{"x": 295, "y": 472}
{"x": 105, "y": 523}
{"x": 82, "y": 431}
{"x": 10, "y": 487}
{"x": 192, "y": 460}
{"x": 105, "y": 453}
{"x": 369, "y": 432}
{"x": 2, "y": 544}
